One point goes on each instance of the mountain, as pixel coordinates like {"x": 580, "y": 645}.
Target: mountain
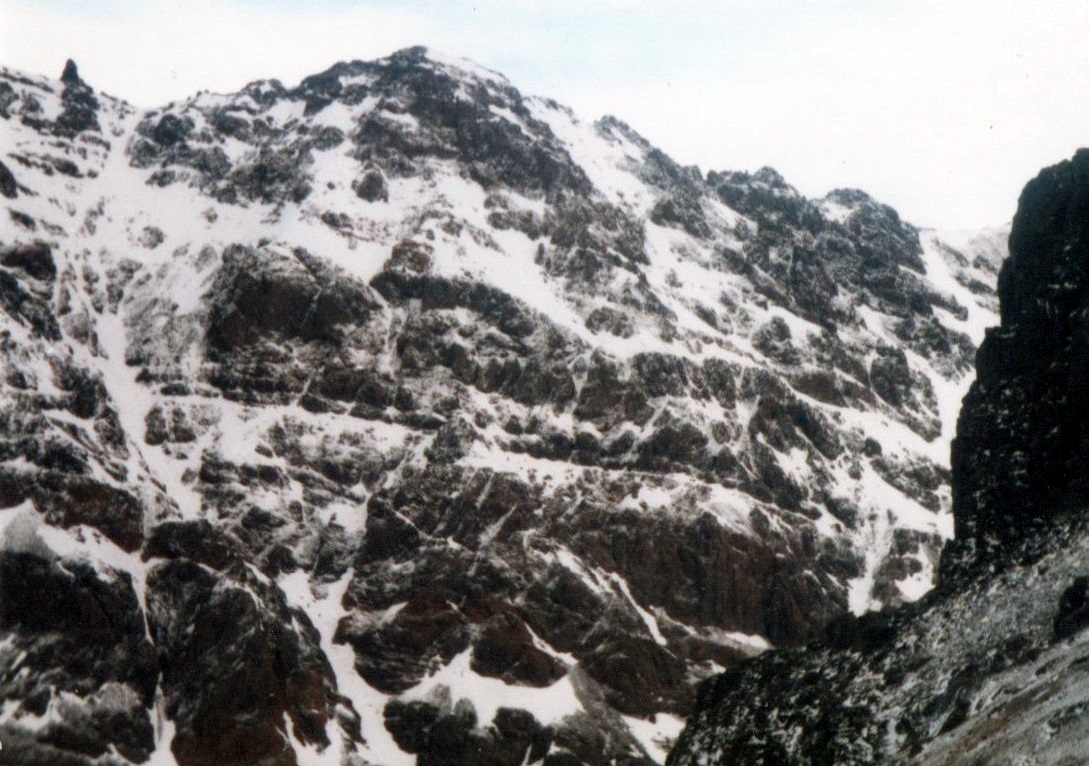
{"x": 991, "y": 667}
{"x": 398, "y": 417}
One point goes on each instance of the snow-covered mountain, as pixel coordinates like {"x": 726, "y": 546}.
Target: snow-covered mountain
{"x": 991, "y": 667}
{"x": 398, "y": 417}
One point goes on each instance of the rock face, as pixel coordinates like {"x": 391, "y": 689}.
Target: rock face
{"x": 989, "y": 668}
{"x": 1021, "y": 448}
{"x": 398, "y": 417}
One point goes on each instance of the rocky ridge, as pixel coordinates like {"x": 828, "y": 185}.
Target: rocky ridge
{"x": 397, "y": 417}
{"x": 990, "y": 667}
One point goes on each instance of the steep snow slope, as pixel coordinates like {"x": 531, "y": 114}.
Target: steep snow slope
{"x": 399, "y": 416}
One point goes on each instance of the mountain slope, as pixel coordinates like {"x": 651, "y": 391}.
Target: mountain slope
{"x": 989, "y": 668}
{"x": 397, "y": 414}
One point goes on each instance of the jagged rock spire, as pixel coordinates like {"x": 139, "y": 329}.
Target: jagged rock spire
{"x": 70, "y": 75}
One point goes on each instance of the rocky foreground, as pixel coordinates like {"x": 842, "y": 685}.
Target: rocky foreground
{"x": 397, "y": 417}
{"x": 991, "y": 668}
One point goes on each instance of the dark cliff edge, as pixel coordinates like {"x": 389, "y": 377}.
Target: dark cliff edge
{"x": 1021, "y": 454}
{"x": 989, "y": 667}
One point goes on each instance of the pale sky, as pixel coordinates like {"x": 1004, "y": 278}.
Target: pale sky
{"x": 942, "y": 109}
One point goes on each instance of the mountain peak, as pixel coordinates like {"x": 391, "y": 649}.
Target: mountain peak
{"x": 849, "y": 197}
{"x": 422, "y": 54}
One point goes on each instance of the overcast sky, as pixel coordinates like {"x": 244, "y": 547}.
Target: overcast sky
{"x": 942, "y": 109}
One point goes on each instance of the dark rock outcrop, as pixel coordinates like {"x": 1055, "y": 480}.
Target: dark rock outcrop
{"x": 80, "y": 106}
{"x": 1073, "y": 614}
{"x": 9, "y": 187}
{"x": 75, "y": 644}
{"x": 237, "y": 665}
{"x": 1021, "y": 457}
